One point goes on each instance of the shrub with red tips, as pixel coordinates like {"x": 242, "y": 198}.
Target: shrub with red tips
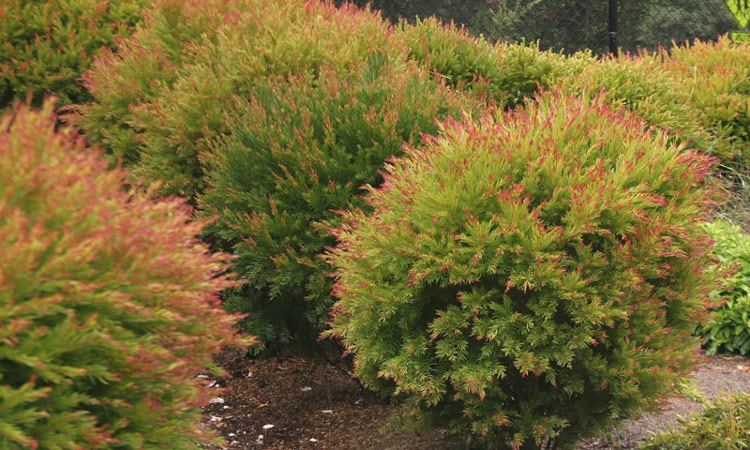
{"x": 108, "y": 302}
{"x": 531, "y": 278}
{"x": 715, "y": 76}
{"x": 46, "y": 45}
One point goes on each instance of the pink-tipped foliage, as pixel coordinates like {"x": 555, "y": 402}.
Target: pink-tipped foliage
{"x": 108, "y": 303}
{"x": 531, "y": 278}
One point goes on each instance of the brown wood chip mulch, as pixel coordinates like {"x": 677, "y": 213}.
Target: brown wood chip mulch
{"x": 292, "y": 402}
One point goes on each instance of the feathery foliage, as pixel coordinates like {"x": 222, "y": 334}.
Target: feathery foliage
{"x": 530, "y": 277}
{"x": 108, "y": 302}
{"x": 46, "y": 45}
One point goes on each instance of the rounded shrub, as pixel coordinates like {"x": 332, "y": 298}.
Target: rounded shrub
{"x": 530, "y": 278}
{"x": 108, "y": 303}
{"x": 46, "y": 45}
{"x": 716, "y": 78}
{"x": 728, "y": 325}
{"x": 638, "y": 83}
{"x": 276, "y": 119}
{"x": 506, "y": 73}
{"x": 724, "y": 424}
{"x": 169, "y": 90}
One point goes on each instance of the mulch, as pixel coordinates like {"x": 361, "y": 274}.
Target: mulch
{"x": 294, "y": 402}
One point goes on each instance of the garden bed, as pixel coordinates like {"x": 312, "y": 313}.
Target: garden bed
{"x": 318, "y": 406}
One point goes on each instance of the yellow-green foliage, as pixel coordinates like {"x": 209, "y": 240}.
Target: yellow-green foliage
{"x": 640, "y": 84}
{"x": 507, "y": 73}
{"x": 531, "y": 276}
{"x": 46, "y": 45}
{"x": 715, "y": 78}
{"x": 277, "y": 112}
{"x": 109, "y": 304}
{"x": 724, "y": 424}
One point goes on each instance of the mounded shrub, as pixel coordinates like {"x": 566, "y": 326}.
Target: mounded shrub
{"x": 723, "y": 424}
{"x": 728, "y": 325}
{"x": 638, "y": 83}
{"x": 199, "y": 57}
{"x": 278, "y": 117}
{"x": 716, "y": 77}
{"x": 46, "y": 45}
{"x": 108, "y": 303}
{"x": 507, "y": 73}
{"x": 297, "y": 152}
{"x": 531, "y": 278}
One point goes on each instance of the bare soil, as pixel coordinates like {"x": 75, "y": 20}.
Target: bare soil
{"x": 293, "y": 402}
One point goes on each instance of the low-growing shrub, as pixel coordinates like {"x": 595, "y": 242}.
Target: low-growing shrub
{"x": 170, "y": 88}
{"x": 716, "y": 77}
{"x": 531, "y": 278}
{"x": 295, "y": 154}
{"x": 638, "y": 83}
{"x": 724, "y": 424}
{"x": 278, "y": 118}
{"x": 108, "y": 302}
{"x": 507, "y": 73}
{"x": 46, "y": 45}
{"x": 728, "y": 325}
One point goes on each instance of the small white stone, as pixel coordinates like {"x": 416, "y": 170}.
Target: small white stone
{"x": 267, "y": 427}
{"x": 231, "y": 435}
{"x": 225, "y": 407}
{"x": 327, "y": 411}
{"x": 216, "y": 400}
{"x": 313, "y": 440}
{"x": 235, "y": 442}
{"x": 306, "y": 389}
{"x": 249, "y": 373}
{"x": 260, "y": 438}
{"x": 205, "y": 377}
{"x": 216, "y": 419}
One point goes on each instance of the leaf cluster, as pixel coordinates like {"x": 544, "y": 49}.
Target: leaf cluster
{"x": 728, "y": 325}
{"x": 723, "y": 424}
{"x": 530, "y": 277}
{"x": 46, "y": 45}
{"x": 109, "y": 304}
{"x": 276, "y": 112}
{"x": 715, "y": 77}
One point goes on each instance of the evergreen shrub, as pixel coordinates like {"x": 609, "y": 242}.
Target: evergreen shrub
{"x": 46, "y": 45}
{"x": 295, "y": 154}
{"x": 108, "y": 302}
{"x": 638, "y": 83}
{"x": 507, "y": 73}
{"x": 724, "y": 424}
{"x": 277, "y": 112}
{"x": 716, "y": 78}
{"x": 531, "y": 278}
{"x": 728, "y": 325}
{"x": 169, "y": 90}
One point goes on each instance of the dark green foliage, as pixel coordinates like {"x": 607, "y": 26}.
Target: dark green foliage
{"x": 728, "y": 327}
{"x": 531, "y": 278}
{"x": 285, "y": 109}
{"x": 109, "y": 304}
{"x": 724, "y": 424}
{"x": 46, "y": 45}
{"x": 649, "y": 23}
{"x": 294, "y": 155}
